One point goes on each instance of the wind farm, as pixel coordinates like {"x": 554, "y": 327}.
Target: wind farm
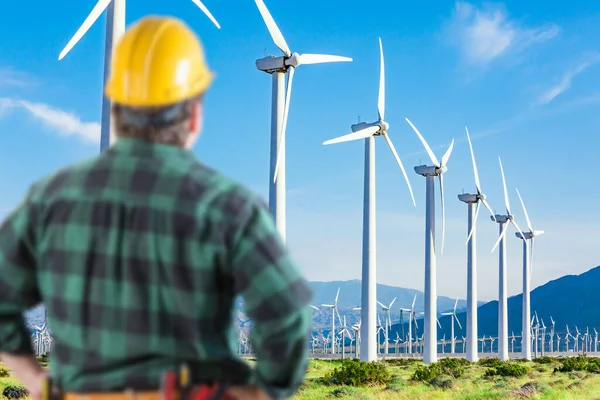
{"x": 399, "y": 277}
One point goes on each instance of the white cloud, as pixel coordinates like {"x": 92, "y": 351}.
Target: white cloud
{"x": 62, "y": 122}
{"x": 486, "y": 34}
{"x": 565, "y": 82}
{"x": 12, "y": 77}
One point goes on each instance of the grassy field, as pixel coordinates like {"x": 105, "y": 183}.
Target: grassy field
{"x": 540, "y": 382}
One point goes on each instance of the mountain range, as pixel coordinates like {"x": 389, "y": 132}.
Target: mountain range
{"x": 571, "y": 299}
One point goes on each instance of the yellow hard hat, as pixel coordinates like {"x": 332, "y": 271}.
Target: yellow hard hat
{"x": 158, "y": 61}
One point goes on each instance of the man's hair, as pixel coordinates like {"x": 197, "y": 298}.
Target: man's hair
{"x": 167, "y": 125}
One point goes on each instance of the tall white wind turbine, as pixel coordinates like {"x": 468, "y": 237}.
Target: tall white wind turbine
{"x": 503, "y": 221}
{"x": 368, "y": 131}
{"x": 115, "y": 27}
{"x": 527, "y": 269}
{"x": 278, "y": 67}
{"x": 471, "y": 199}
{"x": 430, "y": 172}
{"x": 334, "y": 311}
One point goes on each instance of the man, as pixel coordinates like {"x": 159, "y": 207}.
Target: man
{"x": 139, "y": 253}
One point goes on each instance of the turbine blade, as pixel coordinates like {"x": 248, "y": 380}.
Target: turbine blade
{"x": 304, "y": 59}
{"x": 392, "y": 303}
{"x": 378, "y": 302}
{"x": 338, "y": 314}
{"x": 286, "y": 111}
{"x": 205, "y": 11}
{"x": 89, "y": 21}
{"x": 525, "y": 211}
{"x": 432, "y": 156}
{"x": 438, "y": 322}
{"x": 337, "y": 296}
{"x": 475, "y": 173}
{"x": 441, "y": 177}
{"x": 361, "y": 134}
{"x": 316, "y": 308}
{"x": 416, "y": 324}
{"x": 395, "y": 153}
{"x": 381, "y": 98}
{"x": 504, "y": 229}
{"x": 455, "y": 304}
{"x": 273, "y": 29}
{"x": 485, "y": 203}
{"x": 506, "y": 200}
{"x": 446, "y": 155}
{"x": 457, "y": 321}
{"x": 413, "y": 303}
{"x": 474, "y": 222}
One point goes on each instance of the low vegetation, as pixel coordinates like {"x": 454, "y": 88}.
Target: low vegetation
{"x": 453, "y": 378}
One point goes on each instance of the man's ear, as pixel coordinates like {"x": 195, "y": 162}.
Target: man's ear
{"x": 196, "y": 117}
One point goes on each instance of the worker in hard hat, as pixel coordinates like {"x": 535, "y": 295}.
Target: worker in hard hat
{"x": 139, "y": 253}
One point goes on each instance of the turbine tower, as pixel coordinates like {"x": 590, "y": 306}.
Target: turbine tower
{"x": 503, "y": 221}
{"x": 368, "y": 131}
{"x": 471, "y": 199}
{"x": 411, "y": 318}
{"x": 527, "y": 268}
{"x": 430, "y": 172}
{"x": 115, "y": 27}
{"x": 278, "y": 67}
{"x": 388, "y": 322}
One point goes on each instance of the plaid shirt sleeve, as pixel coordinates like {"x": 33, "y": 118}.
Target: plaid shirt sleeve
{"x": 18, "y": 285}
{"x": 276, "y": 297}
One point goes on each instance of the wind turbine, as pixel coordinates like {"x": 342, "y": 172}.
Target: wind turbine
{"x": 527, "y": 268}
{"x": 334, "y": 310}
{"x": 368, "y": 131}
{"x": 471, "y": 200}
{"x": 551, "y": 334}
{"x": 503, "y": 221}
{"x": 454, "y": 317}
{"x": 430, "y": 172}
{"x": 388, "y": 321}
{"x": 278, "y": 67}
{"x": 411, "y": 317}
{"x": 115, "y": 27}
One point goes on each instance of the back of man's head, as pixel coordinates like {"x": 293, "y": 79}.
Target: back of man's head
{"x": 158, "y": 78}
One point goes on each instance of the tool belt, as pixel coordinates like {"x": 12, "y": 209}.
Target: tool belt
{"x": 174, "y": 386}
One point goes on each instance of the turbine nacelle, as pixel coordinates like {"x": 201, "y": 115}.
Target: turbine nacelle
{"x": 428, "y": 170}
{"x": 272, "y": 64}
{"x": 528, "y": 235}
{"x": 502, "y": 219}
{"x": 468, "y": 198}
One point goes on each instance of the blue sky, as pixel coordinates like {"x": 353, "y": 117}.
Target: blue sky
{"x": 521, "y": 75}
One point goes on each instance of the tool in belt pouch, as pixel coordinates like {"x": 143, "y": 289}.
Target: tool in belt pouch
{"x": 180, "y": 384}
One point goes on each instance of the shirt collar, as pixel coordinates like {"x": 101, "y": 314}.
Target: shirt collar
{"x": 145, "y": 148}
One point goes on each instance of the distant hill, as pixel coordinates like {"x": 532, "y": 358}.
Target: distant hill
{"x": 571, "y": 299}
{"x": 350, "y": 297}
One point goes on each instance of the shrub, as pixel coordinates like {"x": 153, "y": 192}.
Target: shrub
{"x": 507, "y": 369}
{"x": 4, "y": 372}
{"x": 442, "y": 382}
{"x": 579, "y": 363}
{"x": 544, "y": 360}
{"x": 453, "y": 367}
{"x": 357, "y": 373}
{"x": 400, "y": 362}
{"x": 15, "y": 392}
{"x": 490, "y": 362}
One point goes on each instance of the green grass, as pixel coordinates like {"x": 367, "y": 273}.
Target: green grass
{"x": 540, "y": 382}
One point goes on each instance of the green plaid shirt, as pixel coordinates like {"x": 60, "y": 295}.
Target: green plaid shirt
{"x": 139, "y": 255}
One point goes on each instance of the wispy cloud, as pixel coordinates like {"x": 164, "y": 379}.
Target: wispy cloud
{"x": 484, "y": 35}
{"x": 62, "y": 122}
{"x": 564, "y": 83}
{"x": 11, "y": 77}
